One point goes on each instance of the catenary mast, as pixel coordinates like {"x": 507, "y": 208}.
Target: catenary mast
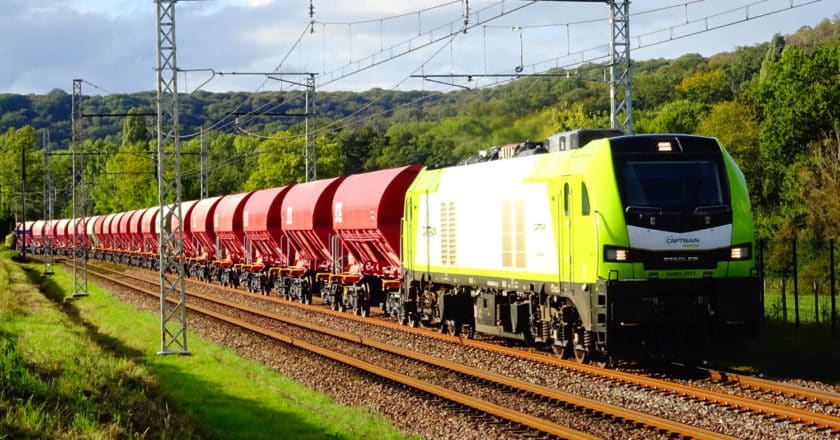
{"x": 173, "y": 317}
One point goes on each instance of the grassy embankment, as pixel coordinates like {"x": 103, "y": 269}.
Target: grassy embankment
{"x": 783, "y": 350}
{"x": 88, "y": 368}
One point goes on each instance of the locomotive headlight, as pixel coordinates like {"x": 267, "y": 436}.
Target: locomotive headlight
{"x": 741, "y": 252}
{"x": 616, "y": 254}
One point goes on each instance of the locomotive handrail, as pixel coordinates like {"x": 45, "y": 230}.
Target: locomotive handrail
{"x": 711, "y": 209}
{"x": 643, "y": 210}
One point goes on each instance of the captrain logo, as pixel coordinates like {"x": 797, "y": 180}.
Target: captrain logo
{"x": 682, "y": 240}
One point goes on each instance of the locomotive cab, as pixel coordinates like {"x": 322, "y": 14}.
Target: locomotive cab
{"x": 684, "y": 275}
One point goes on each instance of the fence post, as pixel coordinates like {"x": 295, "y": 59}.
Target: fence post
{"x": 833, "y": 288}
{"x": 816, "y": 286}
{"x": 760, "y": 253}
{"x": 795, "y": 284}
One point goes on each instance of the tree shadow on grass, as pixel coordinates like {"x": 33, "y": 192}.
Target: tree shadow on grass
{"x": 217, "y": 413}
{"x": 57, "y": 294}
{"x": 222, "y": 415}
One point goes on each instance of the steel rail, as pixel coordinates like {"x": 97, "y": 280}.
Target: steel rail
{"x": 775, "y": 387}
{"x": 608, "y": 410}
{"x": 736, "y": 402}
{"x": 511, "y": 415}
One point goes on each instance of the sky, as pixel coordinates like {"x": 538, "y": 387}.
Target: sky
{"x": 355, "y": 45}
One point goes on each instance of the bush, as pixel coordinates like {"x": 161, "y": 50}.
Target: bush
{"x": 11, "y": 240}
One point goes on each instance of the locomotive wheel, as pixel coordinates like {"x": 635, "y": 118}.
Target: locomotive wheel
{"x": 451, "y": 328}
{"x": 602, "y": 361}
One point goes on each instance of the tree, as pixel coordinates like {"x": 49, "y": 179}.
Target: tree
{"x": 129, "y": 181}
{"x": 572, "y": 117}
{"x": 14, "y": 144}
{"x": 679, "y": 116}
{"x": 735, "y": 125}
{"x": 229, "y": 161}
{"x": 134, "y": 128}
{"x": 357, "y": 146}
{"x": 798, "y": 101}
{"x": 820, "y": 185}
{"x": 280, "y": 160}
{"x": 707, "y": 87}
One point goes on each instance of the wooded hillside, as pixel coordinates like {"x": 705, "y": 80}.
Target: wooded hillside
{"x": 774, "y": 105}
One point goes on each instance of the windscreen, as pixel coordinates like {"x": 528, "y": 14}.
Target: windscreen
{"x": 671, "y": 185}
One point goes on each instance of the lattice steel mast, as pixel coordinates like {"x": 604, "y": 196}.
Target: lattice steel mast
{"x": 173, "y": 318}
{"x": 621, "y": 95}
{"x": 310, "y": 152}
{"x": 49, "y": 260}
{"x": 204, "y": 165}
{"x": 79, "y": 189}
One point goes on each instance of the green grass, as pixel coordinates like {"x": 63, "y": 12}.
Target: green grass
{"x": 773, "y": 307}
{"x": 783, "y": 350}
{"x": 89, "y": 368}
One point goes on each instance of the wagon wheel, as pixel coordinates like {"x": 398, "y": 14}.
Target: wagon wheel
{"x": 365, "y": 312}
{"x": 581, "y": 355}
{"x": 602, "y": 361}
{"x": 566, "y": 351}
{"x": 412, "y": 320}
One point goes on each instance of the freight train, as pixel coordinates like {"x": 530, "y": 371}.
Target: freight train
{"x": 596, "y": 244}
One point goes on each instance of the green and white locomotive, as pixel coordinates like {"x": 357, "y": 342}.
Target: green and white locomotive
{"x": 628, "y": 246}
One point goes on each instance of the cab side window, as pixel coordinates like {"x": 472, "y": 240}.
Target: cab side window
{"x": 584, "y": 200}
{"x": 566, "y": 199}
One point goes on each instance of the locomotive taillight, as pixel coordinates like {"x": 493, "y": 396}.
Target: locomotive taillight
{"x": 664, "y": 146}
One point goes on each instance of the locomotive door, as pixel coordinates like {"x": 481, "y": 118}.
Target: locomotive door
{"x": 566, "y": 256}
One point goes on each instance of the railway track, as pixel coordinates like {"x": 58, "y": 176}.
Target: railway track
{"x": 822, "y": 421}
{"x": 490, "y": 383}
{"x": 774, "y": 387}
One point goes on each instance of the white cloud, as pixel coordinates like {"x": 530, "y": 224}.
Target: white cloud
{"x": 112, "y": 42}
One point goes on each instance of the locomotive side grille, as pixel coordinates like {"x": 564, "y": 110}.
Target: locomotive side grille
{"x": 447, "y": 233}
{"x": 520, "y": 234}
{"x": 513, "y": 234}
